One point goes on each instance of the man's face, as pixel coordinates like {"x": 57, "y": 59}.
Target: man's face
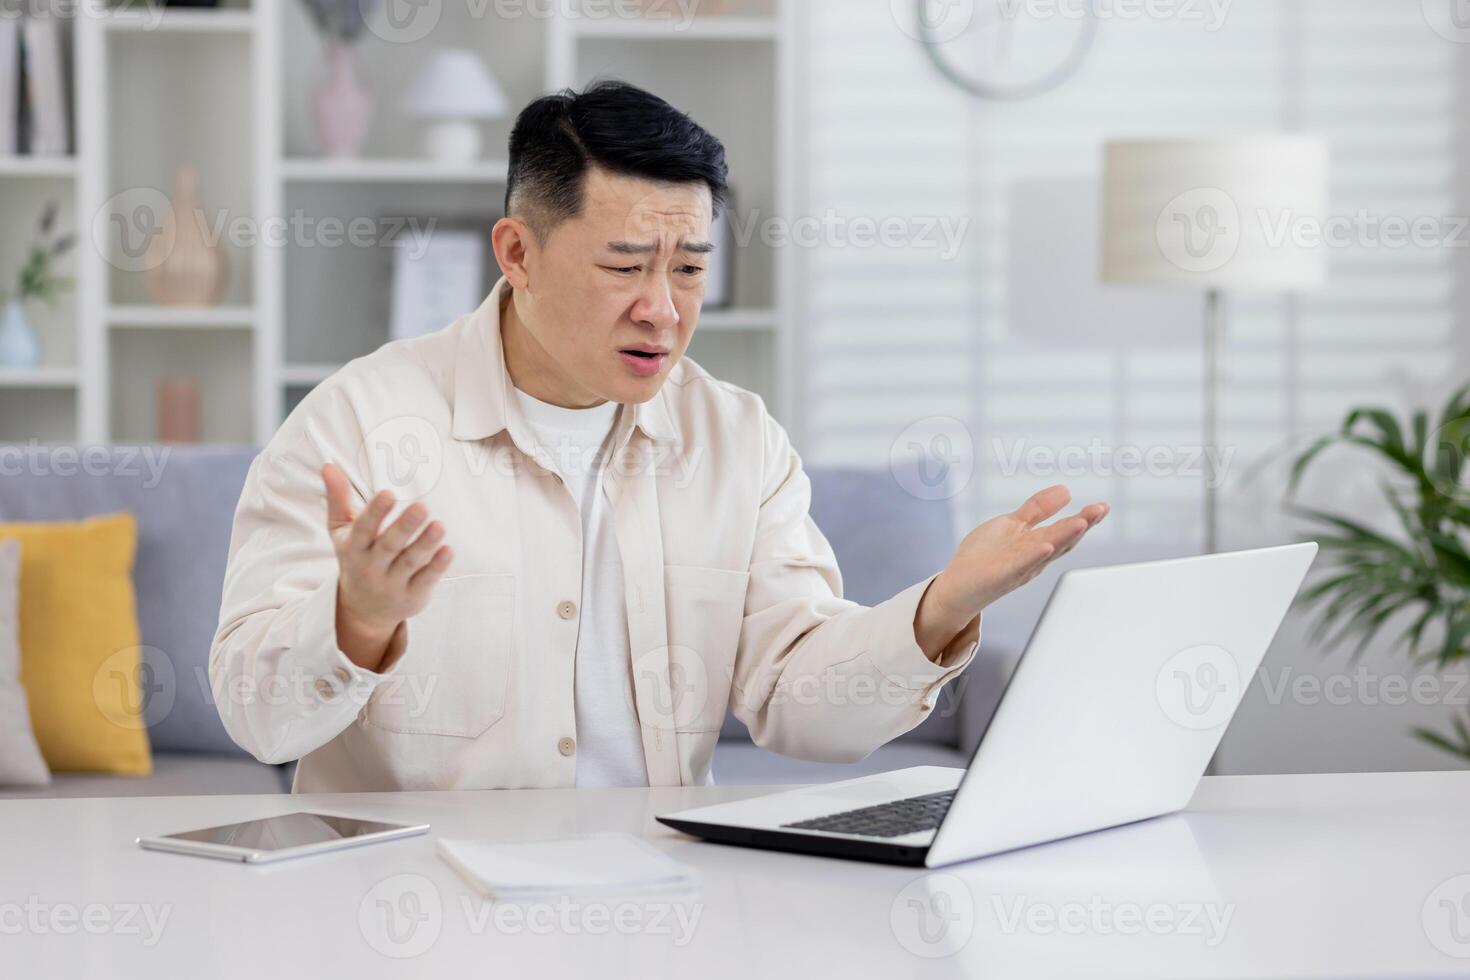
{"x": 615, "y": 292}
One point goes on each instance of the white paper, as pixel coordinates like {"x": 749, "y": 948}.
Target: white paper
{"x": 587, "y": 864}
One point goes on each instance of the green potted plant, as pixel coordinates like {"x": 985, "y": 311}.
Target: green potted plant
{"x": 1422, "y": 568}
{"x": 37, "y": 280}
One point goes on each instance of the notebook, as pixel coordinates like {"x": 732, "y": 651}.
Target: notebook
{"x": 588, "y": 864}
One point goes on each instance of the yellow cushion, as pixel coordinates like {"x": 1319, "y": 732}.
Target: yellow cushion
{"x": 79, "y": 653}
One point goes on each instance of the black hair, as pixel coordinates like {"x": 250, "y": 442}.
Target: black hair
{"x": 612, "y": 125}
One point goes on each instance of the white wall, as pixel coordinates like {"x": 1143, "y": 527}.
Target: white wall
{"x": 1012, "y": 336}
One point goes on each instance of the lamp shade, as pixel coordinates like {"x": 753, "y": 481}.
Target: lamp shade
{"x": 455, "y": 84}
{"x": 1238, "y": 212}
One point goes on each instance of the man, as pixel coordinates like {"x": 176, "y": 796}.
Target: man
{"x": 541, "y": 548}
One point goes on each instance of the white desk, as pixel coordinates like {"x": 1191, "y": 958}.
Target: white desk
{"x": 1365, "y": 875}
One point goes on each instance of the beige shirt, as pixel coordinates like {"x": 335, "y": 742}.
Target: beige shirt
{"x": 733, "y": 596}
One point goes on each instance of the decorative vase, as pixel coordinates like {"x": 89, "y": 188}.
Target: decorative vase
{"x": 19, "y": 346}
{"x": 343, "y": 106}
{"x": 177, "y": 406}
{"x": 183, "y": 268}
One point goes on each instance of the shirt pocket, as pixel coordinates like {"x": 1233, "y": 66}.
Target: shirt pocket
{"x": 705, "y": 607}
{"x": 455, "y": 672}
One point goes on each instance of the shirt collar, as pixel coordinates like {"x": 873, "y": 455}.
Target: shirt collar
{"x": 484, "y": 404}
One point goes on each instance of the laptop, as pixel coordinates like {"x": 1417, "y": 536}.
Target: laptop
{"x": 1111, "y": 716}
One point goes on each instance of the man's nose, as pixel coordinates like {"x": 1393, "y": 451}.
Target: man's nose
{"x": 655, "y": 304}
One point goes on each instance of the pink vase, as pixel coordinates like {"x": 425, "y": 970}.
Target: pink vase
{"x": 343, "y": 107}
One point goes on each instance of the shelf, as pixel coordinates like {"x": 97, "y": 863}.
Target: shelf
{"x": 406, "y": 171}
{"x": 40, "y": 377}
{"x": 181, "y": 317}
{"x": 27, "y": 166}
{"x": 676, "y": 29}
{"x": 165, "y": 21}
{"x": 737, "y": 319}
{"x": 307, "y": 375}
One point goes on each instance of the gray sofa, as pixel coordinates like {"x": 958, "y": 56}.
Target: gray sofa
{"x": 184, "y": 501}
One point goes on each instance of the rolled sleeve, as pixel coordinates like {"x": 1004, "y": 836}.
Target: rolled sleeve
{"x": 282, "y": 685}
{"x": 817, "y": 676}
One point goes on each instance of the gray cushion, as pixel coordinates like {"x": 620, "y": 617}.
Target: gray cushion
{"x": 174, "y": 774}
{"x": 885, "y": 540}
{"x": 184, "y": 501}
{"x": 743, "y": 764}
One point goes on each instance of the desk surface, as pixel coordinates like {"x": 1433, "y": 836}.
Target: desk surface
{"x": 1329, "y": 875}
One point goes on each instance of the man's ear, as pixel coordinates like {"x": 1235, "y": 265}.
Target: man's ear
{"x": 515, "y": 250}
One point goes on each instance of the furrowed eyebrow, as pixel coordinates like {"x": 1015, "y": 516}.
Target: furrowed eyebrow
{"x": 646, "y": 248}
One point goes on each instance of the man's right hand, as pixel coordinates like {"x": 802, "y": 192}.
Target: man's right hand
{"x": 383, "y": 578}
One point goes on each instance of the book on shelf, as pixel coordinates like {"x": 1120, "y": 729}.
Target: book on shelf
{"x": 44, "y": 124}
{"x": 9, "y": 86}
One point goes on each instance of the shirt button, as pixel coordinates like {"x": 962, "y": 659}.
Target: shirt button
{"x": 325, "y": 687}
{"x": 566, "y": 609}
{"x": 342, "y": 675}
{"x": 566, "y": 746}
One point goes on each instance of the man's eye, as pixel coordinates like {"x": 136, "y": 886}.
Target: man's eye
{"x": 622, "y": 269}
{"x": 692, "y": 270}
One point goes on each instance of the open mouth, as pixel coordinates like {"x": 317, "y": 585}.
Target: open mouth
{"x": 644, "y": 363}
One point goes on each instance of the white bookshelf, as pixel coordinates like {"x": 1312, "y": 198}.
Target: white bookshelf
{"x": 294, "y": 314}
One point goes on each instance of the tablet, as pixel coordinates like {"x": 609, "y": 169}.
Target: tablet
{"x": 278, "y": 838}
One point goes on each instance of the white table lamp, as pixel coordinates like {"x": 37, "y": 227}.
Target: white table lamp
{"x": 1215, "y": 214}
{"x": 453, "y": 93}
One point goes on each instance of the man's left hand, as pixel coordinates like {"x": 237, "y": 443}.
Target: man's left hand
{"x": 995, "y": 558}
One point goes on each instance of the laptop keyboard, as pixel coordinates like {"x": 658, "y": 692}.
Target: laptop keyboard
{"x": 892, "y": 819}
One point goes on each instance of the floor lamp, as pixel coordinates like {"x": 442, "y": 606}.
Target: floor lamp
{"x": 1226, "y": 214}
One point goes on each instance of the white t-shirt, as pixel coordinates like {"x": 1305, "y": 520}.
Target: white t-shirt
{"x": 609, "y": 742}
